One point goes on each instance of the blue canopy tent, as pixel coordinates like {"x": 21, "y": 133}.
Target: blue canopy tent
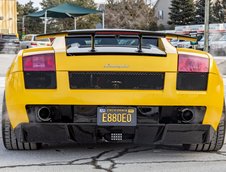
{"x": 64, "y": 11}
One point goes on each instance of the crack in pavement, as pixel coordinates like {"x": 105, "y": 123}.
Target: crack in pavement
{"x": 95, "y": 160}
{"x": 121, "y": 153}
{"x": 46, "y": 164}
{"x": 165, "y": 162}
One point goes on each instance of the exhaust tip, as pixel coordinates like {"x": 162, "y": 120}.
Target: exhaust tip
{"x": 187, "y": 115}
{"x": 44, "y": 114}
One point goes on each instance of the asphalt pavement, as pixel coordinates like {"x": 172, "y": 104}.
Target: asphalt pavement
{"x": 106, "y": 157}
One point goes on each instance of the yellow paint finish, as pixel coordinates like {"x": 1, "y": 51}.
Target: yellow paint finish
{"x": 44, "y": 36}
{"x": 181, "y": 37}
{"x": 100, "y": 63}
{"x": 17, "y": 97}
{"x": 17, "y": 112}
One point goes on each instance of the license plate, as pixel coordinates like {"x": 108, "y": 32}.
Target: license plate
{"x": 180, "y": 46}
{"x": 116, "y": 116}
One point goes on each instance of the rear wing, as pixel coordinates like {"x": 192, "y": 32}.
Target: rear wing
{"x": 139, "y": 33}
{"x": 118, "y": 31}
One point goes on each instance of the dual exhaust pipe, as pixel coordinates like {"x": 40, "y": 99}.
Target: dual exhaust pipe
{"x": 44, "y": 114}
{"x": 186, "y": 115}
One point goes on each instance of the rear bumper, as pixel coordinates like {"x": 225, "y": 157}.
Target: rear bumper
{"x": 91, "y": 133}
{"x": 17, "y": 97}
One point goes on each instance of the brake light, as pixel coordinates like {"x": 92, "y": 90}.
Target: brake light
{"x": 191, "y": 63}
{"x": 48, "y": 44}
{"x": 39, "y": 62}
{"x": 34, "y": 43}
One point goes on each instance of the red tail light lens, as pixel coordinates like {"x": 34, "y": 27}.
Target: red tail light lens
{"x": 191, "y": 63}
{"x": 39, "y": 62}
{"x": 34, "y": 43}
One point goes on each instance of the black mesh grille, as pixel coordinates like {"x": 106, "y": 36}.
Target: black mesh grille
{"x": 192, "y": 81}
{"x": 117, "y": 80}
{"x": 40, "y": 80}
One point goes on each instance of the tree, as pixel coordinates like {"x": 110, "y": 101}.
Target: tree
{"x": 32, "y": 25}
{"x": 224, "y": 6}
{"x": 130, "y": 14}
{"x": 200, "y": 12}
{"x": 218, "y": 12}
{"x": 83, "y": 22}
{"x": 182, "y": 12}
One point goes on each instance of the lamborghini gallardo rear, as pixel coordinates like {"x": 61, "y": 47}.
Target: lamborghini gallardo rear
{"x": 113, "y": 86}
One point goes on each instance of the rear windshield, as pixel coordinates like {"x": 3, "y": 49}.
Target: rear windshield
{"x": 111, "y": 41}
{"x": 42, "y": 40}
{"x": 82, "y": 44}
{"x": 9, "y": 37}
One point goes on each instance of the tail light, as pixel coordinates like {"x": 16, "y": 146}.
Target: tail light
{"x": 190, "y": 63}
{"x": 48, "y": 44}
{"x": 34, "y": 43}
{"x": 40, "y": 62}
{"x": 39, "y": 71}
{"x": 192, "y": 72}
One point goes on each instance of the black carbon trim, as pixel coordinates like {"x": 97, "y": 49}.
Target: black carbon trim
{"x": 117, "y": 80}
{"x": 40, "y": 80}
{"x": 192, "y": 81}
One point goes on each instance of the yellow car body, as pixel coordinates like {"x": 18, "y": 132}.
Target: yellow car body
{"x": 17, "y": 97}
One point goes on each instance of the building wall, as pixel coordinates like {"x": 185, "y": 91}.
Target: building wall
{"x": 163, "y": 5}
{"x": 162, "y": 12}
{"x": 8, "y": 16}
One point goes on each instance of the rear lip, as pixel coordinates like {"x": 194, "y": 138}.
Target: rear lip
{"x": 144, "y": 134}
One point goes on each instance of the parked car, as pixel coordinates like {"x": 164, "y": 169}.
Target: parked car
{"x": 181, "y": 43}
{"x": 213, "y": 37}
{"x": 184, "y": 44}
{"x": 218, "y": 47}
{"x": 113, "y": 86}
{"x": 31, "y": 41}
{"x": 9, "y": 43}
{"x": 174, "y": 42}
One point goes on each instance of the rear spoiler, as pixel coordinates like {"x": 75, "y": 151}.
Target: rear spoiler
{"x": 139, "y": 33}
{"x": 117, "y": 32}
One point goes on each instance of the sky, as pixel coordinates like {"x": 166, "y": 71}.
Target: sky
{"x": 36, "y": 2}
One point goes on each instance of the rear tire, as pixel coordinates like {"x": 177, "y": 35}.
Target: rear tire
{"x": 216, "y": 143}
{"x": 9, "y": 138}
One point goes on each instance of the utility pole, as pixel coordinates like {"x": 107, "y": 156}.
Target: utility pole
{"x": 103, "y": 15}
{"x": 206, "y": 33}
{"x": 23, "y": 26}
{"x": 45, "y": 24}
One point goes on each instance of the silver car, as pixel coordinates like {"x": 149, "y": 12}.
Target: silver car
{"x": 218, "y": 47}
{"x": 9, "y": 43}
{"x": 184, "y": 44}
{"x": 212, "y": 38}
{"x": 30, "y": 41}
{"x": 181, "y": 43}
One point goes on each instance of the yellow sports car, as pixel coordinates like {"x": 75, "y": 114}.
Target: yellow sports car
{"x": 113, "y": 86}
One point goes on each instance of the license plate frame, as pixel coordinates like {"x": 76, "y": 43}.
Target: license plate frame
{"x": 125, "y": 116}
